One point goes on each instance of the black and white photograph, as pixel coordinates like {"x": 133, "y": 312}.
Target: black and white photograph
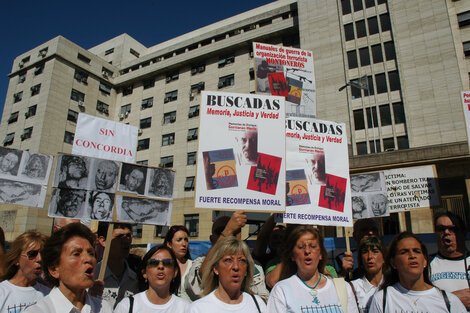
{"x": 161, "y": 182}
{"x": 359, "y": 207}
{"x": 144, "y": 211}
{"x": 367, "y": 182}
{"x": 246, "y": 143}
{"x": 35, "y": 167}
{"x": 317, "y": 168}
{"x": 132, "y": 179}
{"x": 378, "y": 205}
{"x": 8, "y": 220}
{"x": 100, "y": 206}
{"x": 9, "y": 161}
{"x": 104, "y": 175}
{"x": 71, "y": 171}
{"x": 15, "y": 192}
{"x": 69, "y": 203}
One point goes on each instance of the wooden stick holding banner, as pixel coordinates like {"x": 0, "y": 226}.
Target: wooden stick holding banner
{"x": 107, "y": 247}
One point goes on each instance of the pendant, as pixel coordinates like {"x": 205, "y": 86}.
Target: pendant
{"x": 313, "y": 292}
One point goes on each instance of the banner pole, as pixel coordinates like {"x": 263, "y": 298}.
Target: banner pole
{"x": 107, "y": 247}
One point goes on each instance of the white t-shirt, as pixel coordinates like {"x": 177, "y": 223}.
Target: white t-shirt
{"x": 143, "y": 305}
{"x": 293, "y": 295}
{"x": 364, "y": 292}
{"x": 400, "y": 299}
{"x": 15, "y": 299}
{"x": 449, "y": 275}
{"x": 211, "y": 304}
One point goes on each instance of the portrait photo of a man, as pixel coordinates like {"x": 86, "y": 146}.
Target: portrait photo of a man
{"x": 161, "y": 183}
{"x": 36, "y": 166}
{"x": 67, "y": 203}
{"x": 105, "y": 175}
{"x": 247, "y": 146}
{"x": 132, "y": 179}
{"x": 378, "y": 205}
{"x": 71, "y": 172}
{"x": 10, "y": 161}
{"x": 316, "y": 165}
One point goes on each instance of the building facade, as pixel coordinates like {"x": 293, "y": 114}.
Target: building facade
{"x": 411, "y": 54}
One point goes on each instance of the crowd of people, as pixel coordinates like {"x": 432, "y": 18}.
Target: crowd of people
{"x": 286, "y": 271}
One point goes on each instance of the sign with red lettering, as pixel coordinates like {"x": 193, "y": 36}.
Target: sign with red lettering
{"x": 287, "y": 72}
{"x": 466, "y": 111}
{"x": 241, "y": 157}
{"x": 105, "y": 139}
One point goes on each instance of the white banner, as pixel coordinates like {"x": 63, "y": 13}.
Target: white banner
{"x": 287, "y": 72}
{"x": 241, "y": 157}
{"x": 466, "y": 111}
{"x": 317, "y": 177}
{"x": 105, "y": 139}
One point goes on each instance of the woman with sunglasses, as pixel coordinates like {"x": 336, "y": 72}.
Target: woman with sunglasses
{"x": 406, "y": 286}
{"x": 159, "y": 280}
{"x": 19, "y": 287}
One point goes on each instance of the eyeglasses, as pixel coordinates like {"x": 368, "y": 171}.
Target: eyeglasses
{"x": 156, "y": 262}
{"x": 31, "y": 254}
{"x": 443, "y": 228}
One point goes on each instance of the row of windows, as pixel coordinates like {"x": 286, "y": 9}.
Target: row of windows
{"x": 380, "y": 85}
{"x": 17, "y": 97}
{"x": 10, "y": 138}
{"x": 191, "y": 221}
{"x": 37, "y": 71}
{"x": 358, "y": 5}
{"x": 386, "y": 144}
{"x": 372, "y": 27}
{"x": 30, "y": 112}
{"x": 41, "y": 53}
{"x": 377, "y": 54}
{"x": 370, "y": 115}
{"x": 167, "y": 161}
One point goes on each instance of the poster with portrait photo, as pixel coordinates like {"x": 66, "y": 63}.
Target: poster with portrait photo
{"x": 71, "y": 171}
{"x": 68, "y": 203}
{"x": 104, "y": 175}
{"x": 21, "y": 193}
{"x": 245, "y": 142}
{"x": 367, "y": 182}
{"x": 133, "y": 179}
{"x": 160, "y": 184}
{"x": 368, "y": 191}
{"x": 10, "y": 160}
{"x": 100, "y": 206}
{"x": 35, "y": 167}
{"x": 143, "y": 211}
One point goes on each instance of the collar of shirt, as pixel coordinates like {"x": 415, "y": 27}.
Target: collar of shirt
{"x": 62, "y": 304}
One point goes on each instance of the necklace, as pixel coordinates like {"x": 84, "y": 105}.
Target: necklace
{"x": 313, "y": 292}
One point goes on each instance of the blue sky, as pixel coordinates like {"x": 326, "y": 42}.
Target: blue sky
{"x": 26, "y": 24}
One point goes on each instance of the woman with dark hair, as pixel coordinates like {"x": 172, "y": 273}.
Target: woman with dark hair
{"x": 228, "y": 273}
{"x": 19, "y": 287}
{"x": 406, "y": 286}
{"x": 162, "y": 279}
{"x": 177, "y": 240}
{"x": 69, "y": 264}
{"x": 371, "y": 262}
{"x": 304, "y": 286}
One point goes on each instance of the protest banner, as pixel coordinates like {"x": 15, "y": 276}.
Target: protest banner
{"x": 101, "y": 138}
{"x": 241, "y": 156}
{"x": 317, "y": 178}
{"x": 411, "y": 187}
{"x": 466, "y": 111}
{"x": 369, "y": 195}
{"x": 24, "y": 176}
{"x": 287, "y": 72}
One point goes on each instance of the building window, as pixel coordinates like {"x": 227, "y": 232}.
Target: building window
{"x": 389, "y": 48}
{"x": 394, "y": 80}
{"x": 225, "y": 81}
{"x": 171, "y": 96}
{"x": 370, "y": 86}
{"x": 195, "y": 69}
{"x": 127, "y": 90}
{"x": 357, "y": 4}
{"x": 352, "y": 59}
{"x": 381, "y": 1}
{"x": 17, "y": 97}
{"x": 196, "y": 89}
{"x": 359, "y": 119}
{"x": 168, "y": 139}
{"x": 143, "y": 162}
{"x": 106, "y": 89}
{"x": 102, "y": 107}
{"x": 226, "y": 60}
{"x": 385, "y": 22}
{"x": 109, "y": 51}
{"x": 160, "y": 231}
{"x": 27, "y": 133}
{"x": 166, "y": 162}
{"x": 134, "y": 53}
{"x": 72, "y": 116}
{"x": 83, "y": 58}
{"x": 361, "y": 29}
{"x": 13, "y": 117}
{"x": 345, "y": 7}
{"x": 149, "y": 83}
{"x": 252, "y": 74}
{"x": 171, "y": 76}
{"x": 106, "y": 73}
{"x": 372, "y": 120}
{"x": 35, "y": 89}
{"x": 31, "y": 111}
{"x": 349, "y": 31}
{"x": 373, "y": 25}
{"x": 355, "y": 93}
{"x": 145, "y": 123}
{"x": 9, "y": 138}
{"x": 81, "y": 77}
{"x": 377, "y": 56}
{"x": 23, "y": 62}
{"x": 21, "y": 77}
{"x": 137, "y": 230}
{"x": 191, "y": 159}
{"x": 380, "y": 83}
{"x": 68, "y": 137}
{"x": 189, "y": 184}
{"x": 77, "y": 96}
{"x": 361, "y": 148}
{"x": 372, "y": 147}
{"x": 364, "y": 55}
{"x": 464, "y": 19}
{"x": 169, "y": 117}
{"x": 192, "y": 134}
{"x": 191, "y": 222}
{"x": 193, "y": 111}
{"x": 398, "y": 112}
{"x": 125, "y": 110}
{"x": 146, "y": 103}
{"x": 389, "y": 144}
{"x": 43, "y": 52}
{"x": 39, "y": 69}
{"x": 402, "y": 142}
{"x": 370, "y": 3}
{"x": 385, "y": 116}
{"x": 143, "y": 144}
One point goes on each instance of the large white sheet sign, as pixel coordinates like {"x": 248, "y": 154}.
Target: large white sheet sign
{"x": 241, "y": 157}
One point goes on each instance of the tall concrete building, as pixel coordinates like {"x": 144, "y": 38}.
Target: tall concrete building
{"x": 413, "y": 55}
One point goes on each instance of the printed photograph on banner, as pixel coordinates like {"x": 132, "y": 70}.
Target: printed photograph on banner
{"x": 100, "y": 206}
{"x": 69, "y": 203}
{"x": 9, "y": 162}
{"x": 367, "y": 182}
{"x": 143, "y": 211}
{"x": 219, "y": 168}
{"x": 161, "y": 183}
{"x": 369, "y": 196}
{"x": 35, "y": 167}
{"x": 287, "y": 72}
{"x": 318, "y": 188}
{"x": 71, "y": 171}
{"x": 241, "y": 153}
{"x": 132, "y": 179}
{"x": 104, "y": 175}
{"x": 8, "y": 220}
{"x": 21, "y": 193}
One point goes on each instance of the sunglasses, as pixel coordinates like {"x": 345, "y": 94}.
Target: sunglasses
{"x": 442, "y": 228}
{"x": 156, "y": 262}
{"x": 32, "y": 254}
